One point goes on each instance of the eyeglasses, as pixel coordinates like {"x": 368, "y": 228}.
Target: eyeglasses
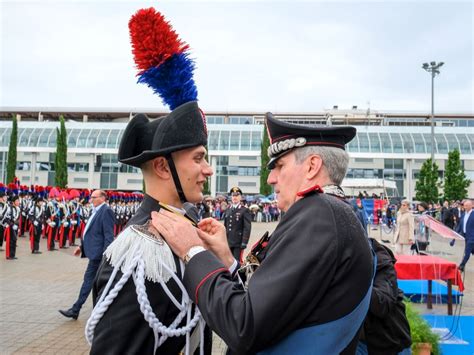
{"x": 94, "y": 197}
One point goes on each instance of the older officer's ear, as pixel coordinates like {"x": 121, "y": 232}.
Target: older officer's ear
{"x": 314, "y": 166}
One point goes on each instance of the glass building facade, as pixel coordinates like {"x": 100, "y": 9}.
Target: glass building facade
{"x": 386, "y": 147}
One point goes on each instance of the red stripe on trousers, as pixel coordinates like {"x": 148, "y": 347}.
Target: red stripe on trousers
{"x": 7, "y": 237}
{"x": 32, "y": 236}
{"x": 50, "y": 236}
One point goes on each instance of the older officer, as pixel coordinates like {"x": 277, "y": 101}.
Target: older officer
{"x": 238, "y": 224}
{"x": 312, "y": 289}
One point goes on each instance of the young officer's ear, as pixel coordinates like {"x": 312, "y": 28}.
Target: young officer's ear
{"x": 161, "y": 168}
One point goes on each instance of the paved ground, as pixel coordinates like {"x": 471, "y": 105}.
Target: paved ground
{"x": 34, "y": 287}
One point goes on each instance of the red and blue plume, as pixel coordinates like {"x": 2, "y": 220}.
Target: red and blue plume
{"x": 162, "y": 58}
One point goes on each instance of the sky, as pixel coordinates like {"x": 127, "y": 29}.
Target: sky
{"x": 279, "y": 56}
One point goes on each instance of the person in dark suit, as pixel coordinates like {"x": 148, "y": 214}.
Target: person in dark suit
{"x": 447, "y": 215}
{"x": 465, "y": 227}
{"x": 238, "y": 224}
{"x": 98, "y": 234}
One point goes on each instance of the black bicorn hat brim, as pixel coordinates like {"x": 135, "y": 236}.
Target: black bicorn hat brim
{"x": 284, "y": 137}
{"x": 145, "y": 139}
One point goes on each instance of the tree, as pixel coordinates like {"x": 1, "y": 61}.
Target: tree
{"x": 61, "y": 154}
{"x": 455, "y": 181}
{"x": 206, "y": 190}
{"x": 265, "y": 189}
{"x": 11, "y": 160}
{"x": 427, "y": 184}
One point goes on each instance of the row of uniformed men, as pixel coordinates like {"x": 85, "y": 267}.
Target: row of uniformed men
{"x": 58, "y": 221}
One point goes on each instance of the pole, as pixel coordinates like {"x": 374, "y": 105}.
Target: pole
{"x": 433, "y": 73}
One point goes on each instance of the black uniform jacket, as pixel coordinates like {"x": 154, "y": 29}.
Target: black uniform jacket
{"x": 238, "y": 225}
{"x": 123, "y": 329}
{"x": 317, "y": 268}
{"x": 386, "y": 328}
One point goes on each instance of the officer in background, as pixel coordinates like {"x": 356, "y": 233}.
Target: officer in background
{"x": 3, "y": 215}
{"x": 12, "y": 228}
{"x": 238, "y": 224}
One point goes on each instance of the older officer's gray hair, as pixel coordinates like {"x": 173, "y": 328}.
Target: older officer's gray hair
{"x": 335, "y": 160}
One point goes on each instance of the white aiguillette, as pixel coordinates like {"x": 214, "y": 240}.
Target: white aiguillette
{"x": 142, "y": 240}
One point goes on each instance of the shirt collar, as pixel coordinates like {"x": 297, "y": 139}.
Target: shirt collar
{"x": 96, "y": 209}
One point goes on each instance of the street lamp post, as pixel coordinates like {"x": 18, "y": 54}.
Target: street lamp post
{"x": 432, "y": 68}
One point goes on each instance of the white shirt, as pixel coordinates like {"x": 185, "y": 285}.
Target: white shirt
{"x": 94, "y": 212}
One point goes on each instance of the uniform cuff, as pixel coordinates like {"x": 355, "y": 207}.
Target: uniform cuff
{"x": 202, "y": 268}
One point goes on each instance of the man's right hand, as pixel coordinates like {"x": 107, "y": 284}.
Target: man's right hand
{"x": 214, "y": 237}
{"x": 77, "y": 252}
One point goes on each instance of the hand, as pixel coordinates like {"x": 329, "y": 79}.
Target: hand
{"x": 77, "y": 252}
{"x": 178, "y": 232}
{"x": 213, "y": 235}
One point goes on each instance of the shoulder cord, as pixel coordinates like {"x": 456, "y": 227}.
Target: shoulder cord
{"x": 38, "y": 212}
{"x": 52, "y": 209}
{"x": 4, "y": 212}
{"x": 137, "y": 271}
{"x": 15, "y": 213}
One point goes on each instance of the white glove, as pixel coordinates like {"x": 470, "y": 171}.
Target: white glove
{"x": 35, "y": 223}
{"x": 66, "y": 224}
{"x": 73, "y": 222}
{"x": 15, "y": 227}
{"x": 52, "y": 224}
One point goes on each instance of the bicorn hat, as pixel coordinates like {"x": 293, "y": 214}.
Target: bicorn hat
{"x": 145, "y": 139}
{"x": 284, "y": 137}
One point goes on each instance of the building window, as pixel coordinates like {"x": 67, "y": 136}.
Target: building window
{"x": 222, "y": 184}
{"x": 81, "y": 179}
{"x": 44, "y": 166}
{"x": 134, "y": 181}
{"x": 363, "y": 160}
{"x": 80, "y": 167}
{"x": 252, "y": 157}
{"x": 23, "y": 166}
{"x": 247, "y": 184}
{"x": 215, "y": 119}
{"x": 241, "y": 120}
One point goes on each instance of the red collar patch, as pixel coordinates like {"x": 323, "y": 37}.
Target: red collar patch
{"x": 315, "y": 188}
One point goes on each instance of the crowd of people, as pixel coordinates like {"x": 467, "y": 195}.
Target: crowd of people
{"x": 260, "y": 209}
{"x": 58, "y": 216}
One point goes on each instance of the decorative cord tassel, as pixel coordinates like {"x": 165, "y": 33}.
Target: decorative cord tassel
{"x": 130, "y": 255}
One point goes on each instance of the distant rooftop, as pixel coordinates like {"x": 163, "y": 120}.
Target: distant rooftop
{"x": 336, "y": 115}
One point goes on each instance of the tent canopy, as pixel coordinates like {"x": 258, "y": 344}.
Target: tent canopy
{"x": 369, "y": 183}
{"x": 352, "y": 187}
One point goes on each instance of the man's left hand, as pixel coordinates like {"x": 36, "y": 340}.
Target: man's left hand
{"x": 177, "y": 231}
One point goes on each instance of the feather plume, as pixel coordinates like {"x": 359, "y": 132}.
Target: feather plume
{"x": 161, "y": 58}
